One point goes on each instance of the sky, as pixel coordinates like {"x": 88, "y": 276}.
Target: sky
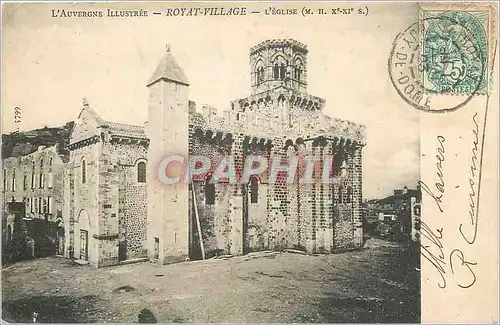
{"x": 50, "y": 64}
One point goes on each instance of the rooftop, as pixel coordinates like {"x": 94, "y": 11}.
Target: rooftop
{"x": 168, "y": 69}
{"x": 118, "y": 129}
{"x": 279, "y": 42}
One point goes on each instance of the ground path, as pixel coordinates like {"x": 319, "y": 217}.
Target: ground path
{"x": 375, "y": 284}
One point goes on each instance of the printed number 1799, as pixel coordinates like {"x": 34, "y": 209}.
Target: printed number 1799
{"x": 17, "y": 115}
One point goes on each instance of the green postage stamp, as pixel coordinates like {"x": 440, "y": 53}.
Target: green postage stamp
{"x": 455, "y": 51}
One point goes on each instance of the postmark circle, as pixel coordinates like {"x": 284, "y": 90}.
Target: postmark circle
{"x": 439, "y": 64}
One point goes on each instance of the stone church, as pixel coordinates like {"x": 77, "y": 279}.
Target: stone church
{"x": 105, "y": 191}
{"x": 204, "y": 218}
{"x": 118, "y": 210}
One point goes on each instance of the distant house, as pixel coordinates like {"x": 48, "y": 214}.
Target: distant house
{"x": 36, "y": 179}
{"x": 395, "y": 211}
{"x": 387, "y": 216}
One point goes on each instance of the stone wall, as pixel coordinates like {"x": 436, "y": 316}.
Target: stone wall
{"x": 316, "y": 217}
{"x": 133, "y": 197}
{"x": 122, "y": 201}
{"x": 85, "y": 216}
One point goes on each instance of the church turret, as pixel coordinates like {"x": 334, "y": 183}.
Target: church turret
{"x": 167, "y": 129}
{"x": 278, "y": 63}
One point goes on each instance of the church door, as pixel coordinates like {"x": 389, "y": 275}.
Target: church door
{"x": 122, "y": 249}
{"x": 84, "y": 242}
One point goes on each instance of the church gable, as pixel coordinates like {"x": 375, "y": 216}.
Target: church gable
{"x": 86, "y": 126}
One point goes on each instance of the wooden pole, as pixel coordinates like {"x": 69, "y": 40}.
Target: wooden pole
{"x": 198, "y": 221}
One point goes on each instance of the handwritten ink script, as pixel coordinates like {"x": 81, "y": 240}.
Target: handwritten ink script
{"x": 473, "y": 196}
{"x": 452, "y": 261}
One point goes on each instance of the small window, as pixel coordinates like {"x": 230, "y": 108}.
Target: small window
{"x": 33, "y": 178}
{"x": 51, "y": 180}
{"x": 5, "y": 179}
{"x": 49, "y": 204}
{"x": 260, "y": 75}
{"x": 41, "y": 163}
{"x": 50, "y": 161}
{"x": 14, "y": 180}
{"x": 337, "y": 164}
{"x": 254, "y": 190}
{"x": 276, "y": 71}
{"x": 349, "y": 194}
{"x": 209, "y": 191}
{"x": 45, "y": 205}
{"x": 141, "y": 172}
{"x": 297, "y": 73}
{"x": 340, "y": 195}
{"x": 42, "y": 180}
{"x": 282, "y": 71}
{"x": 25, "y": 182}
{"x": 84, "y": 171}
{"x": 157, "y": 248}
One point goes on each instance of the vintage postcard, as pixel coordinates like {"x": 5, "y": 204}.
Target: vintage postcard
{"x": 250, "y": 162}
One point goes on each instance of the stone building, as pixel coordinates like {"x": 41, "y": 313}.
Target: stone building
{"x": 105, "y": 190}
{"x": 116, "y": 208}
{"x": 37, "y": 180}
{"x": 32, "y": 188}
{"x": 278, "y": 118}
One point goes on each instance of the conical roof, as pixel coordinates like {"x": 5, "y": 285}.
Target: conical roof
{"x": 168, "y": 69}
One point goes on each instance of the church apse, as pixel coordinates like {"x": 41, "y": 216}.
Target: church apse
{"x": 277, "y": 120}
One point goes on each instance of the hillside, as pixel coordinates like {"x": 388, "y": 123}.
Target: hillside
{"x": 22, "y": 143}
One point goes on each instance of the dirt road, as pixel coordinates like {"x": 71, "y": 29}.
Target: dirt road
{"x": 375, "y": 284}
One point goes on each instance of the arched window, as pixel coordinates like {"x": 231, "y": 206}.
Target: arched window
{"x": 298, "y": 72}
{"x": 276, "y": 71}
{"x": 9, "y": 233}
{"x": 33, "y": 176}
{"x": 5, "y": 180}
{"x": 282, "y": 71}
{"x": 260, "y": 74}
{"x": 259, "y": 71}
{"x": 41, "y": 163}
{"x": 209, "y": 191}
{"x": 349, "y": 195}
{"x": 298, "y": 69}
{"x": 254, "y": 190}
{"x": 14, "y": 180}
{"x": 41, "y": 181}
{"x": 141, "y": 172}
{"x": 25, "y": 182}
{"x": 50, "y": 180}
{"x": 50, "y": 202}
{"x": 337, "y": 164}
{"x": 84, "y": 172}
{"x": 340, "y": 195}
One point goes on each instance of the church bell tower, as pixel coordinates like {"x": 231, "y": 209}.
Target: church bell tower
{"x": 278, "y": 63}
{"x": 167, "y": 129}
